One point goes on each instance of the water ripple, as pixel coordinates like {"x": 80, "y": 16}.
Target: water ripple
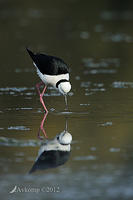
{"x": 94, "y": 87}
{"x": 20, "y": 128}
{"x": 71, "y": 113}
{"x": 106, "y": 124}
{"x": 117, "y": 15}
{"x": 19, "y": 70}
{"x": 122, "y": 84}
{"x": 90, "y": 157}
{"x": 114, "y": 150}
{"x": 102, "y": 62}
{"x": 100, "y": 71}
{"x": 15, "y": 89}
{"x": 22, "y": 143}
{"x": 117, "y": 37}
{"x": 28, "y": 91}
{"x": 84, "y": 35}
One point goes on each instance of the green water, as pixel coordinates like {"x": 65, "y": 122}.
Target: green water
{"x": 95, "y": 38}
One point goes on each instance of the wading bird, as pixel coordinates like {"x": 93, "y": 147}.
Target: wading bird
{"x": 52, "y": 71}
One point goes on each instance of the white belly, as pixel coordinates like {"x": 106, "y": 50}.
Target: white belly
{"x": 52, "y": 79}
{"x": 49, "y": 79}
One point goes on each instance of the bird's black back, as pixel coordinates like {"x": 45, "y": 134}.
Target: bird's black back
{"x": 49, "y": 65}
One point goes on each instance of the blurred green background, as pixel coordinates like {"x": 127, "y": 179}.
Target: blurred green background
{"x": 95, "y": 38}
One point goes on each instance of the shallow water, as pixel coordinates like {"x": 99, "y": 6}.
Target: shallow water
{"x": 96, "y": 41}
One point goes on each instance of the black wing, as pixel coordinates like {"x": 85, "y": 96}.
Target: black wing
{"x": 49, "y": 65}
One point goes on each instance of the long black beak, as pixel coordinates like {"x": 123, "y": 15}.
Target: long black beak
{"x": 66, "y": 101}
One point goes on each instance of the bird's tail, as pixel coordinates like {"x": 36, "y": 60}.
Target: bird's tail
{"x": 32, "y": 55}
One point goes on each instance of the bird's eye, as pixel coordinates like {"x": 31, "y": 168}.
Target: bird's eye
{"x": 57, "y": 137}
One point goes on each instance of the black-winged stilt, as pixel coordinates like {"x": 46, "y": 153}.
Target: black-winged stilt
{"x": 52, "y": 71}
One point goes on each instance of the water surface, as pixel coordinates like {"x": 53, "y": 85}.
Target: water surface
{"x": 96, "y": 42}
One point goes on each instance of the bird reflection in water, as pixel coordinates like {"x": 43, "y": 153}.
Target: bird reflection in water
{"x": 53, "y": 153}
{"x": 41, "y": 128}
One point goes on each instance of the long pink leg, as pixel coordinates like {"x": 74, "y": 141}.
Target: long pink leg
{"x": 41, "y": 94}
{"x": 42, "y": 128}
{"x": 38, "y": 87}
